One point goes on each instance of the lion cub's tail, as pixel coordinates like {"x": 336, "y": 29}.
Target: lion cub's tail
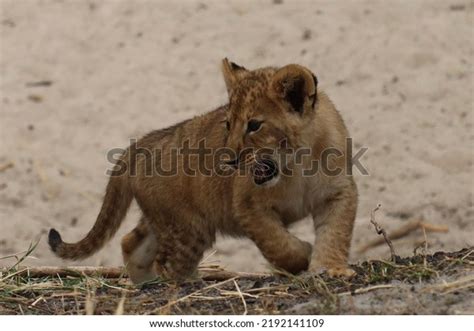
{"x": 118, "y": 197}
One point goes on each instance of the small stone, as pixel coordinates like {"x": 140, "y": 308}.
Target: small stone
{"x": 201, "y": 6}
{"x": 307, "y": 34}
{"x": 35, "y": 98}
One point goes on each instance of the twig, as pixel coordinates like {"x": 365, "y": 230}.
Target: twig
{"x": 268, "y": 288}
{"x": 241, "y": 297}
{"x": 234, "y": 293}
{"x": 45, "y": 83}
{"x": 90, "y": 302}
{"x": 418, "y": 245}
{"x": 118, "y": 272}
{"x": 381, "y": 231}
{"x": 38, "y": 272}
{"x": 22, "y": 301}
{"x": 461, "y": 283}
{"x": 121, "y": 304}
{"x": 367, "y": 289}
{"x": 468, "y": 253}
{"x": 434, "y": 228}
{"x": 402, "y": 232}
{"x": 6, "y": 166}
{"x": 219, "y": 275}
{"x": 208, "y": 256}
{"x": 426, "y": 248}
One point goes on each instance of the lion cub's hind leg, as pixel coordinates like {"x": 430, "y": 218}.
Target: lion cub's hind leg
{"x": 181, "y": 249}
{"x": 139, "y": 249}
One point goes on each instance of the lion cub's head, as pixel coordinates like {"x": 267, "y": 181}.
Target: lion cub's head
{"x": 270, "y": 109}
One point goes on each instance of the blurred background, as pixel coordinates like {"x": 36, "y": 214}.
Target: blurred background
{"x": 81, "y": 77}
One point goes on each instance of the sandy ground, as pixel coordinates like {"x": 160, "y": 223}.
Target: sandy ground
{"x": 400, "y": 73}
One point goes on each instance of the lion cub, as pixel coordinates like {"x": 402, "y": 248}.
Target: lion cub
{"x": 249, "y": 168}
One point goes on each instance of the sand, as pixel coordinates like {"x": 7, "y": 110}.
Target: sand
{"x": 400, "y": 73}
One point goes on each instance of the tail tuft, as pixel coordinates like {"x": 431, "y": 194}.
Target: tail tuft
{"x": 54, "y": 240}
{"x": 118, "y": 197}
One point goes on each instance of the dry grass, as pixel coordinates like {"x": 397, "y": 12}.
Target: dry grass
{"x": 28, "y": 291}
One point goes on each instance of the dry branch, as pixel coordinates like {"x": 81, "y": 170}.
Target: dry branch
{"x": 224, "y": 275}
{"x": 367, "y": 289}
{"x": 241, "y": 297}
{"x": 382, "y": 231}
{"x": 458, "y": 284}
{"x": 117, "y": 272}
{"x": 433, "y": 228}
{"x": 6, "y": 166}
{"x": 402, "y": 232}
{"x": 37, "y": 272}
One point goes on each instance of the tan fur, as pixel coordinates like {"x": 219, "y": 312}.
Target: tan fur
{"x": 183, "y": 213}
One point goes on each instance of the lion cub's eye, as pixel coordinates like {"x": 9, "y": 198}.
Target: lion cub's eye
{"x": 253, "y": 125}
{"x": 227, "y": 125}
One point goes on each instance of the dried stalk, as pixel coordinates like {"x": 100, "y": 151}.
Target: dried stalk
{"x": 404, "y": 231}
{"x": 119, "y": 272}
{"x": 241, "y": 297}
{"x": 382, "y": 231}
{"x": 6, "y": 166}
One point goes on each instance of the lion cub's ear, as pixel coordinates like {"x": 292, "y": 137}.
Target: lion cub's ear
{"x": 296, "y": 86}
{"x": 232, "y": 74}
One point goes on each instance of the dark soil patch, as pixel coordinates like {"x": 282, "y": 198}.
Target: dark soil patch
{"x": 276, "y": 294}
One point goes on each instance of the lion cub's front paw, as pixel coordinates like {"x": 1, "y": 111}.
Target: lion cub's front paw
{"x": 344, "y": 271}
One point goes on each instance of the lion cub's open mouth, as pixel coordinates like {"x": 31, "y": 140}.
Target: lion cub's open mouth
{"x": 264, "y": 170}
